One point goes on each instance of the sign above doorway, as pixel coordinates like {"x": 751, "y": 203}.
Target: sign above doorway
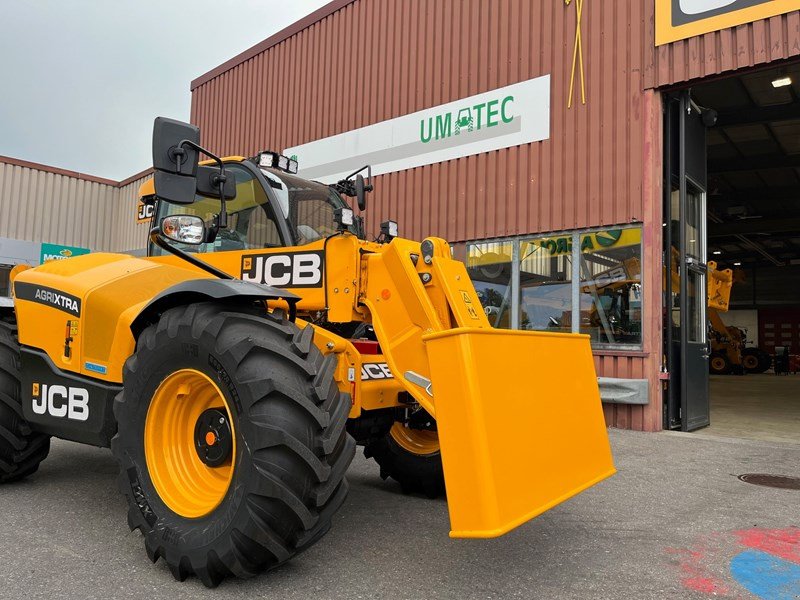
{"x": 681, "y": 19}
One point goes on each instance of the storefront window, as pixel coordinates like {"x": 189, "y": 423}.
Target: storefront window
{"x": 489, "y": 267}
{"x": 545, "y": 277}
{"x": 528, "y": 283}
{"x": 611, "y": 286}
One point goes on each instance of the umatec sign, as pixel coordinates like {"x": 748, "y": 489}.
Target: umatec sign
{"x": 508, "y": 116}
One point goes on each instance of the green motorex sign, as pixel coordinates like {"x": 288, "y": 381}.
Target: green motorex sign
{"x": 509, "y": 116}
{"x": 56, "y": 252}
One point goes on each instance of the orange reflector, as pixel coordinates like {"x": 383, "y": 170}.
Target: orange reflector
{"x": 211, "y": 439}
{"x": 386, "y": 294}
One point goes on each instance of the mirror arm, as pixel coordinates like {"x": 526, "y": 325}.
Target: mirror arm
{"x": 157, "y": 238}
{"x": 222, "y": 218}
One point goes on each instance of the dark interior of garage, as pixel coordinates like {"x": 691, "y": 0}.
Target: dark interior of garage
{"x": 753, "y": 228}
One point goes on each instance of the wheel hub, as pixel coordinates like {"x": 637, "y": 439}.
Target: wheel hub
{"x": 212, "y": 437}
{"x": 190, "y": 443}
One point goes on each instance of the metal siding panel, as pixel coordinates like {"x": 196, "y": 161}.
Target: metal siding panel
{"x": 47, "y": 205}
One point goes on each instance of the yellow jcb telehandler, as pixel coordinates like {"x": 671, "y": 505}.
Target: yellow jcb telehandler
{"x": 233, "y": 371}
{"x": 729, "y": 353}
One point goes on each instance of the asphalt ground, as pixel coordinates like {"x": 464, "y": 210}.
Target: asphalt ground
{"x": 670, "y": 524}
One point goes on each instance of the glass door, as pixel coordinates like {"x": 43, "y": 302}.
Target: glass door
{"x": 685, "y": 292}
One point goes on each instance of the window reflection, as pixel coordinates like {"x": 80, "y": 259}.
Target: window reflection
{"x": 607, "y": 282}
{"x": 489, "y": 267}
{"x": 546, "y": 283}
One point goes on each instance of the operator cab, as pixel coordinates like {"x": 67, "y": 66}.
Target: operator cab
{"x": 273, "y": 208}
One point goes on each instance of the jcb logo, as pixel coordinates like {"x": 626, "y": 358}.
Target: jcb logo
{"x": 61, "y": 401}
{"x": 297, "y": 269}
{"x": 144, "y": 212}
{"x": 375, "y": 371}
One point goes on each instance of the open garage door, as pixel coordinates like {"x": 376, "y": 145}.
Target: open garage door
{"x": 750, "y": 182}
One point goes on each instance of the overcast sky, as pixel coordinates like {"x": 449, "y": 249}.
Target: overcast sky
{"x": 82, "y": 80}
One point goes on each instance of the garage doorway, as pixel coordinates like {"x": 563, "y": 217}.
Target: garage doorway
{"x": 733, "y": 145}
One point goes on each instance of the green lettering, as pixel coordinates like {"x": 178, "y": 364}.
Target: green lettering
{"x": 503, "y": 115}
{"x": 422, "y": 136}
{"x": 478, "y": 108}
{"x": 443, "y": 129}
{"x": 586, "y": 243}
{"x": 491, "y": 114}
{"x": 550, "y": 245}
{"x": 561, "y": 245}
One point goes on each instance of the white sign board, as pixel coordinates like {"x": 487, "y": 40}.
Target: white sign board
{"x": 508, "y": 116}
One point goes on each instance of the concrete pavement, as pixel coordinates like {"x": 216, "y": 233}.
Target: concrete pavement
{"x": 669, "y": 524}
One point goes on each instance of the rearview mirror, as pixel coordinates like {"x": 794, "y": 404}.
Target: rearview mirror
{"x": 167, "y": 155}
{"x": 361, "y": 193}
{"x": 175, "y": 163}
{"x": 186, "y": 229}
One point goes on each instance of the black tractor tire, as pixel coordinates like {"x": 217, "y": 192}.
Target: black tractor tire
{"x": 718, "y": 364}
{"x": 755, "y": 360}
{"x": 292, "y": 449}
{"x": 21, "y": 448}
{"x": 416, "y": 473}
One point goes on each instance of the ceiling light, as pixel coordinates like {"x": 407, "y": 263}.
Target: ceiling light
{"x": 717, "y": 252}
{"x": 737, "y": 264}
{"x": 782, "y": 81}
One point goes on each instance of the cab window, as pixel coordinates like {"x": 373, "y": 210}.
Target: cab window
{"x": 251, "y": 220}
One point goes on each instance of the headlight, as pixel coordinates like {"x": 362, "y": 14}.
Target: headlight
{"x": 185, "y": 229}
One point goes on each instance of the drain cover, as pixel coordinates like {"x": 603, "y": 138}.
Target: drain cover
{"x": 776, "y": 481}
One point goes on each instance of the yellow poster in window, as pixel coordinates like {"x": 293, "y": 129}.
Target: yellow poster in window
{"x": 595, "y": 241}
{"x": 681, "y": 19}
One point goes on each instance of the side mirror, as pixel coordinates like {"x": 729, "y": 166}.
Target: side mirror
{"x": 185, "y": 229}
{"x": 361, "y": 193}
{"x": 175, "y": 163}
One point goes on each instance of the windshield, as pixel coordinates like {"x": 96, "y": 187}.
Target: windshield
{"x": 252, "y": 223}
{"x": 308, "y": 205}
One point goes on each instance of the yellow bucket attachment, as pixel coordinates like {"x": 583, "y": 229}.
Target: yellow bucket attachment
{"x": 520, "y": 424}
{"x": 719, "y": 287}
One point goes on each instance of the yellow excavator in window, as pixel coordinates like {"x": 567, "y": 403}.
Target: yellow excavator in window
{"x": 233, "y": 371}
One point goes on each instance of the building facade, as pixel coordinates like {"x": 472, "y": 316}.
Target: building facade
{"x": 516, "y": 210}
{"x": 537, "y": 137}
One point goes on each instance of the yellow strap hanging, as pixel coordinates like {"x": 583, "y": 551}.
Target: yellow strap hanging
{"x": 577, "y": 55}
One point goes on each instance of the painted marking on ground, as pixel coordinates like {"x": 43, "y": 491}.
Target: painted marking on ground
{"x": 765, "y": 562}
{"x": 766, "y": 576}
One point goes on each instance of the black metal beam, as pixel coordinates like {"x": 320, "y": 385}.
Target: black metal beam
{"x": 759, "y": 114}
{"x": 765, "y": 194}
{"x": 754, "y": 163}
{"x": 716, "y": 230}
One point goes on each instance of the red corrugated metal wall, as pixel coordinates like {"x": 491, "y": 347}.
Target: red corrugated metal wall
{"x": 747, "y": 45}
{"x": 377, "y": 59}
{"x": 372, "y": 60}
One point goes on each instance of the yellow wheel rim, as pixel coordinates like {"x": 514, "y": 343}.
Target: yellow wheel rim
{"x": 750, "y": 362}
{"x": 416, "y": 441}
{"x": 187, "y": 485}
{"x": 718, "y": 364}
